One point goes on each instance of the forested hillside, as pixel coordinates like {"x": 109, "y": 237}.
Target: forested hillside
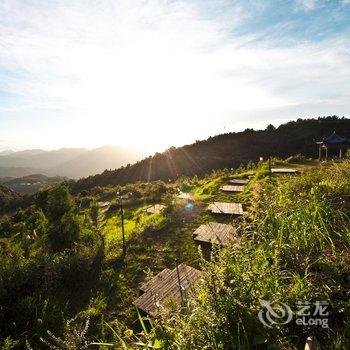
{"x": 30, "y": 184}
{"x": 225, "y": 151}
{"x": 65, "y": 279}
{"x": 65, "y": 283}
{"x": 8, "y": 198}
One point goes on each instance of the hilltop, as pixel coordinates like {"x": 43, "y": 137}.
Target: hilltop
{"x": 224, "y": 151}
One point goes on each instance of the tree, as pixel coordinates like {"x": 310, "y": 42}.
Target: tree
{"x": 65, "y": 233}
{"x": 270, "y": 127}
{"x": 5, "y": 226}
{"x": 37, "y": 221}
{"x": 64, "y": 227}
{"x": 59, "y": 202}
{"x": 94, "y": 209}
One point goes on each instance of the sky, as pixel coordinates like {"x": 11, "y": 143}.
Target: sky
{"x": 150, "y": 74}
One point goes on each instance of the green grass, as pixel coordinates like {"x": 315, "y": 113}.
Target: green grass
{"x": 136, "y": 220}
{"x": 295, "y": 246}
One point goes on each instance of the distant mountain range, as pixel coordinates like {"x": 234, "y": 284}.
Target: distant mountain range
{"x": 224, "y": 151}
{"x": 69, "y": 162}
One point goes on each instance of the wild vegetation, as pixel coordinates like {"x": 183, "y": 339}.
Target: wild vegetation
{"x": 8, "y": 198}
{"x": 65, "y": 284}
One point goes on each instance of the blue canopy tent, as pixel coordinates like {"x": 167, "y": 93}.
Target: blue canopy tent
{"x": 332, "y": 142}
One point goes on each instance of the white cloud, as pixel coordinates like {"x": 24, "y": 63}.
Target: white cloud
{"x": 153, "y": 71}
{"x": 307, "y": 5}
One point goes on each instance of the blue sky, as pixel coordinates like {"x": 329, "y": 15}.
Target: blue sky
{"x": 149, "y": 74}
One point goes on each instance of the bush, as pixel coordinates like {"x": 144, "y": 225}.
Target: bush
{"x": 64, "y": 233}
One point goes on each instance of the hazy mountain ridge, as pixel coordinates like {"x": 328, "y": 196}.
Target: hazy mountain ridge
{"x": 25, "y": 153}
{"x": 224, "y": 151}
{"x": 99, "y": 159}
{"x": 40, "y": 159}
{"x": 70, "y": 162}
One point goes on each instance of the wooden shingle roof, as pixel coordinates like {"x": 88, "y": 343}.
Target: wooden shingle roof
{"x": 231, "y": 188}
{"x": 154, "y": 209}
{"x": 215, "y": 233}
{"x": 155, "y": 280}
{"x": 283, "y": 171}
{"x": 226, "y": 208}
{"x": 103, "y": 204}
{"x": 184, "y": 195}
{"x": 171, "y": 286}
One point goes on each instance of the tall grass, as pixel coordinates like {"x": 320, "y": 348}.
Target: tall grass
{"x": 295, "y": 247}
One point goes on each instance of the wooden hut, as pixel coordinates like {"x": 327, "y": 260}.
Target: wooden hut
{"x": 226, "y": 208}
{"x": 154, "y": 209}
{"x": 215, "y": 233}
{"x": 238, "y": 182}
{"x": 155, "y": 280}
{"x": 283, "y": 171}
{"x": 186, "y": 196}
{"x": 104, "y": 205}
{"x": 231, "y": 188}
{"x": 166, "y": 287}
{"x": 333, "y": 145}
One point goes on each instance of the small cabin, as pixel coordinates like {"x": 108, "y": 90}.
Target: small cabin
{"x": 226, "y": 208}
{"x": 231, "y": 188}
{"x": 239, "y": 182}
{"x": 169, "y": 286}
{"x": 214, "y": 233}
{"x": 155, "y": 209}
{"x": 284, "y": 171}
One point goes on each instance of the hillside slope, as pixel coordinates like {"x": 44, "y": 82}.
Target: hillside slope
{"x": 224, "y": 151}
{"x": 292, "y": 245}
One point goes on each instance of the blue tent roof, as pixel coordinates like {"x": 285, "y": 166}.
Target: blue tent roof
{"x": 335, "y": 138}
